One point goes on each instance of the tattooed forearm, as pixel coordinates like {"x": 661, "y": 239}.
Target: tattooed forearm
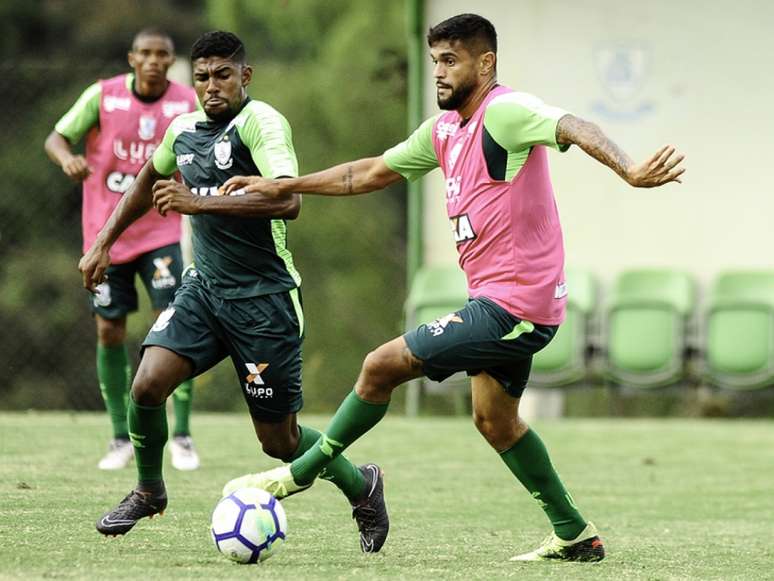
{"x": 590, "y": 139}
{"x": 347, "y": 179}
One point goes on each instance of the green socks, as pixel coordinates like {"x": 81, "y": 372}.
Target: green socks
{"x": 148, "y": 432}
{"x": 354, "y": 418}
{"x": 114, "y": 374}
{"x": 528, "y": 460}
{"x": 182, "y": 398}
{"x": 340, "y": 471}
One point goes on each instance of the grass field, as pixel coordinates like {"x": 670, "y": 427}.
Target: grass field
{"x": 674, "y": 499}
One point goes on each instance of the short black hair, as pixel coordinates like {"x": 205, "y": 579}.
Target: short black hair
{"x": 219, "y": 43}
{"x": 153, "y": 31}
{"x": 472, "y": 30}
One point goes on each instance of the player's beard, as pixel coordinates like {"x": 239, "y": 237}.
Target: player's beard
{"x": 457, "y": 96}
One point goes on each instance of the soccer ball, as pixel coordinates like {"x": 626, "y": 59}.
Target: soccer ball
{"x": 248, "y": 525}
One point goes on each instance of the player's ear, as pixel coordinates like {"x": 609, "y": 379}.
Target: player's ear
{"x": 130, "y": 58}
{"x": 486, "y": 63}
{"x": 247, "y": 75}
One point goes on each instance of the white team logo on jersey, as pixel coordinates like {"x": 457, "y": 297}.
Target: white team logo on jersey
{"x": 147, "y": 128}
{"x": 444, "y": 130}
{"x": 223, "y": 154}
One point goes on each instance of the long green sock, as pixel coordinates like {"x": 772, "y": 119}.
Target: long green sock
{"x": 182, "y": 399}
{"x": 354, "y": 418}
{"x": 148, "y": 432}
{"x": 339, "y": 471}
{"x": 528, "y": 460}
{"x": 114, "y": 374}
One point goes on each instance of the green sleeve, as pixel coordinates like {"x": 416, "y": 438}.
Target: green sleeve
{"x": 82, "y": 116}
{"x": 517, "y": 121}
{"x": 164, "y": 159}
{"x": 266, "y": 133}
{"x": 414, "y": 157}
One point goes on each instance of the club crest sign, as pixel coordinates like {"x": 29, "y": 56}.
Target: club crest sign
{"x": 223, "y": 158}
{"x": 622, "y": 69}
{"x": 147, "y": 129}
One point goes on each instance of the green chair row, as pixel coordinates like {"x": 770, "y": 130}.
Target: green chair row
{"x": 646, "y": 326}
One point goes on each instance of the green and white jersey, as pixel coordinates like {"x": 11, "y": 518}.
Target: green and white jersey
{"x": 236, "y": 257}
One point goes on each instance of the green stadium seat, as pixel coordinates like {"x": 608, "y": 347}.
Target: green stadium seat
{"x": 436, "y": 291}
{"x": 740, "y": 331}
{"x": 646, "y": 327}
{"x": 563, "y": 361}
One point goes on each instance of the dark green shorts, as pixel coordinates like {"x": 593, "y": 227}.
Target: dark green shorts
{"x": 160, "y": 271}
{"x": 262, "y": 335}
{"x": 480, "y": 337}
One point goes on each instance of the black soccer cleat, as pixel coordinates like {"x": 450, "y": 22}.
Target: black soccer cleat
{"x": 370, "y": 512}
{"x": 136, "y": 505}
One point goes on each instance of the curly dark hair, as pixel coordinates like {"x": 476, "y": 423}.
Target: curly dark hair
{"x": 219, "y": 43}
{"x": 475, "y": 32}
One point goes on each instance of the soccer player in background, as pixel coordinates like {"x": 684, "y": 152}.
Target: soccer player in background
{"x": 491, "y": 144}
{"x": 241, "y": 300}
{"x": 123, "y": 120}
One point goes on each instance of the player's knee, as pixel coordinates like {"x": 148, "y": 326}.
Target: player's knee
{"x": 111, "y": 333}
{"x": 149, "y": 390}
{"x": 375, "y": 374}
{"x": 498, "y": 432}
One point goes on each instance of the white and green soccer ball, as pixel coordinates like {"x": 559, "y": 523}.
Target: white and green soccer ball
{"x": 248, "y": 525}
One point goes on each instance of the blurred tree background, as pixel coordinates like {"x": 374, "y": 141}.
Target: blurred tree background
{"x": 335, "y": 69}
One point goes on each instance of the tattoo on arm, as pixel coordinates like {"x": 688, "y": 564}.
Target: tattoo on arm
{"x": 347, "y": 179}
{"x": 589, "y": 138}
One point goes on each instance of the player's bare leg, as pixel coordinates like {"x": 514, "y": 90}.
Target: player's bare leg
{"x": 160, "y": 372}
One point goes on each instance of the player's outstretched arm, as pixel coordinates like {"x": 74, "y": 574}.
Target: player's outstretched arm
{"x": 661, "y": 168}
{"x": 348, "y": 179}
{"x": 59, "y": 150}
{"x": 171, "y": 195}
{"x": 134, "y": 204}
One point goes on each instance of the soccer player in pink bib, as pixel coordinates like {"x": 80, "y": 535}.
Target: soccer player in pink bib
{"x": 491, "y": 144}
{"x": 123, "y": 120}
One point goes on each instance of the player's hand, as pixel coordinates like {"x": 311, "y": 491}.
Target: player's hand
{"x": 93, "y": 265}
{"x": 239, "y": 185}
{"x": 76, "y": 168}
{"x": 170, "y": 195}
{"x": 662, "y": 168}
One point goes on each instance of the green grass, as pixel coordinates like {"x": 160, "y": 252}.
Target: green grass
{"x": 674, "y": 499}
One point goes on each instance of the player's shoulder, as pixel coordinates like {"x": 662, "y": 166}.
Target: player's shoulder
{"x": 186, "y": 122}
{"x": 259, "y": 111}
{"x": 516, "y": 105}
{"x": 121, "y": 81}
{"x": 512, "y": 98}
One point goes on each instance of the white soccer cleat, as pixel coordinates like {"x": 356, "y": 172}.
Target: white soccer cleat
{"x": 184, "y": 456}
{"x": 120, "y": 453}
{"x": 278, "y": 482}
{"x": 587, "y": 546}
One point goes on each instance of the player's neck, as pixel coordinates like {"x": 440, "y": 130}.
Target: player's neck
{"x": 476, "y": 98}
{"x": 147, "y": 91}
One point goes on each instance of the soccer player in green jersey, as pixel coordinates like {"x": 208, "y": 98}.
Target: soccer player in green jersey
{"x": 241, "y": 300}
{"x": 490, "y": 142}
{"x": 122, "y": 121}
